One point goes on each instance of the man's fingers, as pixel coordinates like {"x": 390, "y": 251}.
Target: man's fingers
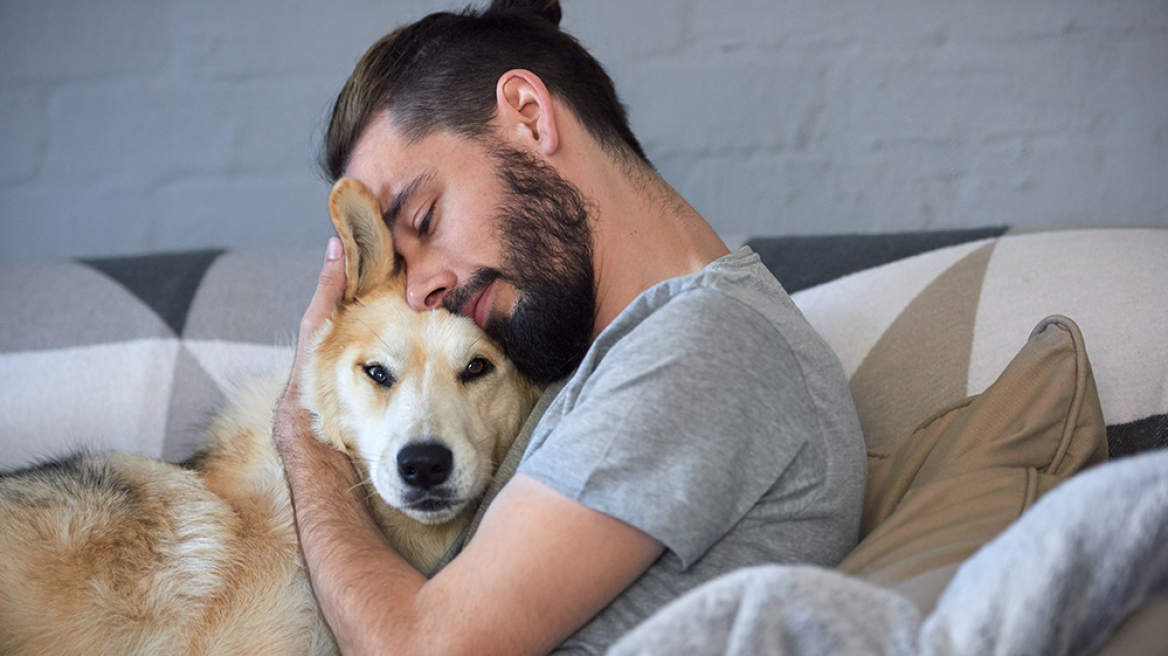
{"x": 330, "y": 289}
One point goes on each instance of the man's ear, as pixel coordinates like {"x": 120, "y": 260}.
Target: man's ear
{"x": 524, "y": 107}
{"x": 369, "y": 258}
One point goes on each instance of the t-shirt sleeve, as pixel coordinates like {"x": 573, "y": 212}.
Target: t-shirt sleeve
{"x": 684, "y": 425}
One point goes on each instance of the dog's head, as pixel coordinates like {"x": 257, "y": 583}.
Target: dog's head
{"x": 424, "y": 402}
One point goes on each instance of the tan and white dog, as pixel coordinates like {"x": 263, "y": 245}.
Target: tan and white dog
{"x": 121, "y": 554}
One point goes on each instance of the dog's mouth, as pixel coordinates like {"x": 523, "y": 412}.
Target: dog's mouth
{"x": 432, "y": 506}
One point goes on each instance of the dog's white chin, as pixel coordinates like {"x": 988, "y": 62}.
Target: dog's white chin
{"x": 432, "y": 518}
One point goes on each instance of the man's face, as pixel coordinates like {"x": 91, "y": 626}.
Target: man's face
{"x": 492, "y": 233}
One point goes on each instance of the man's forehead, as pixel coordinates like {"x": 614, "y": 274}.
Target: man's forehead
{"x": 385, "y": 163}
{"x": 379, "y": 153}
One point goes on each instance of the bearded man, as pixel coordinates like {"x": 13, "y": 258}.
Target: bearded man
{"x": 696, "y": 424}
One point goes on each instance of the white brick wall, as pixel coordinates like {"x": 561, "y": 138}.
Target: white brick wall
{"x": 136, "y": 125}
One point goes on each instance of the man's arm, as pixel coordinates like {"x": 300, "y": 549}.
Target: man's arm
{"x": 539, "y": 567}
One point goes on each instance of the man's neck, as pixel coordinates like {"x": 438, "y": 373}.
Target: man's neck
{"x": 645, "y": 233}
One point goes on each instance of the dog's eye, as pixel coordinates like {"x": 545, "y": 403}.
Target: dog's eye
{"x": 476, "y": 368}
{"x": 379, "y": 374}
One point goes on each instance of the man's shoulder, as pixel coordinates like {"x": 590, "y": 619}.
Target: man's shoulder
{"x": 733, "y": 290}
{"x": 696, "y": 321}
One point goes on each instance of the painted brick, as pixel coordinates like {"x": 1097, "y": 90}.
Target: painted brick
{"x": 259, "y": 39}
{"x": 57, "y": 39}
{"x": 23, "y": 132}
{"x": 731, "y": 103}
{"x": 280, "y": 123}
{"x": 767, "y": 26}
{"x": 618, "y": 32}
{"x": 139, "y": 130}
{"x": 128, "y": 126}
{"x": 53, "y": 220}
{"x": 287, "y": 212}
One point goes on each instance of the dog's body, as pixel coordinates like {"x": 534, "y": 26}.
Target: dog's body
{"x": 121, "y": 554}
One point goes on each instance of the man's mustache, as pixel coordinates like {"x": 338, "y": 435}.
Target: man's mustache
{"x": 457, "y": 298}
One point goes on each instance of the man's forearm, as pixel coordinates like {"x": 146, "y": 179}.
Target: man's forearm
{"x": 365, "y": 589}
{"x": 540, "y": 566}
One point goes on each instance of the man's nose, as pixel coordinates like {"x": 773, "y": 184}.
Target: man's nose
{"x": 425, "y": 292}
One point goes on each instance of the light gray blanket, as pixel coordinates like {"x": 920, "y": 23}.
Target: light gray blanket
{"x": 1060, "y": 580}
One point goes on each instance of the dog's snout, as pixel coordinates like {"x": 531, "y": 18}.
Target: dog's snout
{"x": 424, "y": 465}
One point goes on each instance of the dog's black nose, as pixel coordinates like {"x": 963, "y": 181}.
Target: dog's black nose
{"x": 424, "y": 465}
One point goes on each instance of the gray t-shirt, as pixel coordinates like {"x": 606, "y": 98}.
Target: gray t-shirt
{"x": 710, "y": 415}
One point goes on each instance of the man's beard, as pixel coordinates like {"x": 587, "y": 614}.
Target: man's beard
{"x": 543, "y": 225}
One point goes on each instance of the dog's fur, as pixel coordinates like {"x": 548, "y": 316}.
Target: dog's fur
{"x": 121, "y": 554}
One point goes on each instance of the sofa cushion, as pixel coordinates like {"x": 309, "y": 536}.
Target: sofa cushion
{"x": 135, "y": 353}
{"x": 921, "y": 333}
{"x": 971, "y": 469}
{"x": 928, "y": 331}
{"x": 804, "y": 261}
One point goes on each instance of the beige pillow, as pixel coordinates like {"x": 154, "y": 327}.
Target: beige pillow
{"x": 971, "y": 469}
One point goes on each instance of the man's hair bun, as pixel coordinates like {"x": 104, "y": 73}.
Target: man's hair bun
{"x": 548, "y": 10}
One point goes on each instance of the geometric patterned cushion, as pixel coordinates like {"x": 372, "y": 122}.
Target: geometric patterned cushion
{"x": 921, "y": 333}
{"x": 804, "y": 261}
{"x": 135, "y": 353}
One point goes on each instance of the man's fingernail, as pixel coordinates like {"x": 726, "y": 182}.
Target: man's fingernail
{"x": 335, "y": 250}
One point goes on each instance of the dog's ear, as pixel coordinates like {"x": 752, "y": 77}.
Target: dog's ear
{"x": 369, "y": 258}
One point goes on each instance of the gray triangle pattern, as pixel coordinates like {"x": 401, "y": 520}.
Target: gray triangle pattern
{"x": 65, "y": 304}
{"x": 165, "y": 282}
{"x": 266, "y": 310}
{"x": 194, "y": 398}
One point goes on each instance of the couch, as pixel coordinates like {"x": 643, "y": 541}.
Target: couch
{"x": 987, "y": 367}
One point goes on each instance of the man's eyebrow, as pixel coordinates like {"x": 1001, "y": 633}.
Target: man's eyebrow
{"x": 402, "y": 198}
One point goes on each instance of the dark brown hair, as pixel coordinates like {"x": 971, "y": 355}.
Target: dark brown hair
{"x": 441, "y": 73}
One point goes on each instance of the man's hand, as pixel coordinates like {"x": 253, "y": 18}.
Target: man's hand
{"x": 291, "y": 418}
{"x": 304, "y": 456}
